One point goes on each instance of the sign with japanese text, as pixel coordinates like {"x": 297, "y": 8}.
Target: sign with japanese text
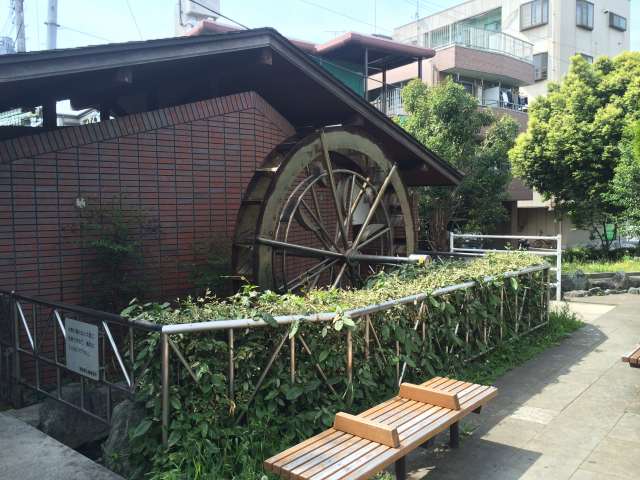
{"x": 81, "y": 347}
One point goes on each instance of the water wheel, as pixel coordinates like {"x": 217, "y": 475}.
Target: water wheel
{"x": 324, "y": 210}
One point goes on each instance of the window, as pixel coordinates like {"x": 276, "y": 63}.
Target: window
{"x": 617, "y": 21}
{"x": 540, "y": 66}
{"x": 588, "y": 58}
{"x": 534, "y": 14}
{"x": 584, "y": 14}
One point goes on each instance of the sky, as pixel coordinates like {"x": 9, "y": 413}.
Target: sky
{"x": 89, "y": 22}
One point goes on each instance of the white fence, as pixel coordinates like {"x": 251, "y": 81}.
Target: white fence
{"x": 545, "y": 252}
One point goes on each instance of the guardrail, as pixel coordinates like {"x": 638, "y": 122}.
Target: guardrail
{"x": 480, "y": 39}
{"x": 45, "y": 343}
{"x": 31, "y": 318}
{"x": 544, "y": 252}
{"x": 365, "y": 313}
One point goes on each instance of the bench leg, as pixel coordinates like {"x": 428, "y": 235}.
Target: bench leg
{"x": 429, "y": 443}
{"x": 454, "y": 435}
{"x": 401, "y": 469}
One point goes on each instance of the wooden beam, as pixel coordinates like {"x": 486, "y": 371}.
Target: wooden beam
{"x": 367, "y": 429}
{"x": 429, "y": 395}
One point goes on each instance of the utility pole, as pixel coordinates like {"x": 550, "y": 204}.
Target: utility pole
{"x": 18, "y": 22}
{"x": 52, "y": 24}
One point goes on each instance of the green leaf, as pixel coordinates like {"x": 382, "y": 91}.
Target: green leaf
{"x": 174, "y": 437}
{"x": 294, "y": 329}
{"x": 294, "y": 392}
{"x": 142, "y": 428}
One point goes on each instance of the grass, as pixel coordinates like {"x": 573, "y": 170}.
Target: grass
{"x": 627, "y": 264}
{"x": 513, "y": 354}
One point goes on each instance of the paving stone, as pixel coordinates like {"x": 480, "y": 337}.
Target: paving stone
{"x": 614, "y": 457}
{"x": 28, "y": 454}
{"x": 628, "y": 429}
{"x": 587, "y": 475}
{"x": 573, "y": 412}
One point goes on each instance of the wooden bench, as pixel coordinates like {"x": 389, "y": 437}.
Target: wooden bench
{"x": 633, "y": 358}
{"x": 358, "y": 447}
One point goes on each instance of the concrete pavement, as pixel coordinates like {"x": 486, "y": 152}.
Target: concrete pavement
{"x": 573, "y": 412}
{"x": 28, "y": 454}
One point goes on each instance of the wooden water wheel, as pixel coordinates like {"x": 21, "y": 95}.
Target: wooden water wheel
{"x": 328, "y": 209}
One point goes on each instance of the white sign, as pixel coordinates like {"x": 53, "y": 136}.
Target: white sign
{"x": 81, "y": 346}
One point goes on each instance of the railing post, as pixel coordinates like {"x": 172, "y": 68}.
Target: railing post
{"x": 366, "y": 337}
{"x": 349, "y": 357}
{"x": 232, "y": 370}
{"x": 164, "y": 373}
{"x": 16, "y": 388}
{"x": 292, "y": 358}
{"x": 559, "y": 268}
{"x": 451, "y": 235}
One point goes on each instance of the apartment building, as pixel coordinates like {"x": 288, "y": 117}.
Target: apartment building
{"x": 505, "y": 52}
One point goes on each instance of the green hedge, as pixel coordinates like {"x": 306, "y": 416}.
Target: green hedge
{"x": 433, "y": 337}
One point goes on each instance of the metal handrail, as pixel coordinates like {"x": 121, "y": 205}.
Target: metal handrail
{"x": 89, "y": 312}
{"x": 166, "y": 344}
{"x": 541, "y": 252}
{"x": 481, "y": 39}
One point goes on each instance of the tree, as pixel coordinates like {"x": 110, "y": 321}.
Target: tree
{"x": 626, "y": 180}
{"x": 449, "y": 121}
{"x": 572, "y": 146}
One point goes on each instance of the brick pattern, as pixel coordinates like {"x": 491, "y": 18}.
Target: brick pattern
{"x": 185, "y": 167}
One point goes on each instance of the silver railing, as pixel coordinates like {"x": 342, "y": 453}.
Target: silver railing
{"x": 43, "y": 366}
{"x": 479, "y": 39}
{"x": 542, "y": 251}
{"x": 420, "y": 300}
{"x": 34, "y": 352}
{"x": 390, "y": 103}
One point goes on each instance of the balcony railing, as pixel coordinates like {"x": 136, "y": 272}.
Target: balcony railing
{"x": 391, "y": 103}
{"x": 477, "y": 38}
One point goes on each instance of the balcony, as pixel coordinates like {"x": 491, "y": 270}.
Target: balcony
{"x": 479, "y": 39}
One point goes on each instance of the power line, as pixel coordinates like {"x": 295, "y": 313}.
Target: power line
{"x": 219, "y": 14}
{"x": 62, "y": 27}
{"x": 344, "y": 15}
{"x": 133, "y": 17}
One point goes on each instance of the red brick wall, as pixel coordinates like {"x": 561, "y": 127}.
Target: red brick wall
{"x": 185, "y": 167}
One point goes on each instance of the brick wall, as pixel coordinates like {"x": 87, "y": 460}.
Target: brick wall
{"x": 185, "y": 167}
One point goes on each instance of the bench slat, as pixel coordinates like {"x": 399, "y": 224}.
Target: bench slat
{"x": 633, "y": 358}
{"x": 361, "y": 470}
{"x": 356, "y": 457}
{"x": 334, "y": 455}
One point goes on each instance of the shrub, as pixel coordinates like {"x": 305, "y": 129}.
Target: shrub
{"x": 214, "y": 434}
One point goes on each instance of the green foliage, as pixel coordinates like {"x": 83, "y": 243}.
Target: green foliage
{"x": 626, "y": 181}
{"x": 449, "y": 121}
{"x": 511, "y": 354}
{"x": 215, "y": 435}
{"x": 571, "y": 149}
{"x": 113, "y": 234}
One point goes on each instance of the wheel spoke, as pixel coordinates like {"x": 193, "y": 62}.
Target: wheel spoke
{"x": 300, "y": 250}
{"x": 374, "y": 237}
{"x": 374, "y": 206}
{"x": 336, "y": 282}
{"x": 332, "y": 183}
{"x": 327, "y": 241}
{"x": 313, "y": 272}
